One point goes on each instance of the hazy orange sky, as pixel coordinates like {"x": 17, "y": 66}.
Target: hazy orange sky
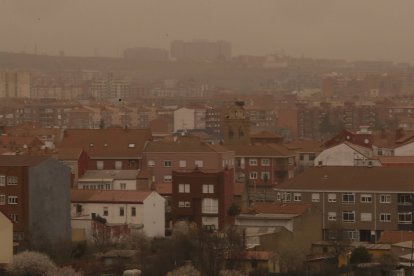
{"x": 351, "y": 29}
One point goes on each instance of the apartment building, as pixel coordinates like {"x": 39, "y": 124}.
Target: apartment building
{"x": 261, "y": 167}
{"x": 183, "y": 153}
{"x": 358, "y": 202}
{"x": 203, "y": 198}
{"x": 111, "y": 148}
{"x": 35, "y": 195}
{"x": 139, "y": 210}
{"x": 14, "y": 84}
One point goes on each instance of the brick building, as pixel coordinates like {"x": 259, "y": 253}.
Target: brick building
{"x": 35, "y": 195}
{"x": 203, "y": 197}
{"x": 111, "y": 148}
{"x": 358, "y": 202}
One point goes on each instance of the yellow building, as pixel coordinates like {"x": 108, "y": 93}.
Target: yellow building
{"x": 6, "y": 239}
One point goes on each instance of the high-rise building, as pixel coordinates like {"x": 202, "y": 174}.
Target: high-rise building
{"x": 14, "y": 84}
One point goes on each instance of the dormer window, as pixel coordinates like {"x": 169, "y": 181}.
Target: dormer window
{"x": 131, "y": 145}
{"x": 105, "y": 145}
{"x": 91, "y": 145}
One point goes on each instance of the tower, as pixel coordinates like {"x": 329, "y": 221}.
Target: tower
{"x": 237, "y": 125}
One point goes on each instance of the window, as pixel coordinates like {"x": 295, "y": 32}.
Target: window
{"x": 312, "y": 156}
{"x": 2, "y": 199}
{"x": 405, "y": 218}
{"x": 105, "y": 211}
{"x": 253, "y": 162}
{"x": 133, "y": 211}
{"x": 132, "y": 163}
{"x": 183, "y": 163}
{"x": 12, "y": 180}
{"x": 404, "y": 199}
{"x": 265, "y": 162}
{"x": 167, "y": 178}
{"x": 2, "y": 180}
{"x": 123, "y": 186}
{"x": 352, "y": 235}
{"x": 332, "y": 216}
{"x": 209, "y": 206}
{"x": 184, "y": 188}
{"x": 285, "y": 197}
{"x": 301, "y": 157}
{"x": 12, "y": 200}
{"x": 167, "y": 163}
{"x": 290, "y": 161}
{"x": 366, "y": 217}
{"x": 99, "y": 165}
{"x": 199, "y": 163}
{"x": 14, "y": 218}
{"x": 184, "y": 204}
{"x": 316, "y": 197}
{"x": 331, "y": 197}
{"x": 131, "y": 145}
{"x": 385, "y": 217}
{"x": 253, "y": 175}
{"x": 297, "y": 197}
{"x": 348, "y": 216}
{"x": 265, "y": 176}
{"x": 208, "y": 188}
{"x": 385, "y": 198}
{"x": 366, "y": 198}
{"x": 118, "y": 165}
{"x": 151, "y": 163}
{"x": 121, "y": 211}
{"x": 348, "y": 198}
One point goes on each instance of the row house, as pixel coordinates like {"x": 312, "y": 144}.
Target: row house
{"x": 203, "y": 198}
{"x": 356, "y": 203}
{"x": 35, "y": 195}
{"x": 109, "y": 149}
{"x": 138, "y": 210}
{"x": 261, "y": 167}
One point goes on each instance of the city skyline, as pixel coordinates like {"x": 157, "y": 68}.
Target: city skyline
{"x": 321, "y": 29}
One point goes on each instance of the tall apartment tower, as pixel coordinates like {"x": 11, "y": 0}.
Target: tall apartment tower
{"x": 236, "y": 127}
{"x": 14, "y": 84}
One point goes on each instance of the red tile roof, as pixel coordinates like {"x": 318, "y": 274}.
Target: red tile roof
{"x": 96, "y": 196}
{"x": 69, "y": 153}
{"x": 183, "y": 144}
{"x": 330, "y": 178}
{"x": 107, "y": 143}
{"x": 163, "y": 188}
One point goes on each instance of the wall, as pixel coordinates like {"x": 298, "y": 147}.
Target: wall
{"x": 340, "y": 155}
{"x": 113, "y": 212}
{"x": 154, "y": 215}
{"x": 184, "y": 118}
{"x": 49, "y": 202}
{"x": 6, "y": 239}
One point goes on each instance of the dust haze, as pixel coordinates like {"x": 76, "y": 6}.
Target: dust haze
{"x": 370, "y": 29}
